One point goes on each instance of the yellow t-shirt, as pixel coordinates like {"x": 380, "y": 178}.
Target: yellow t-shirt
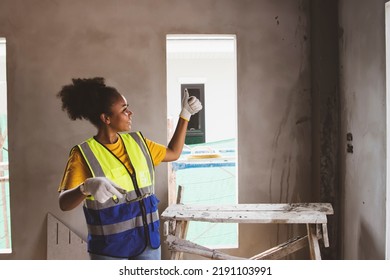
{"x": 77, "y": 171}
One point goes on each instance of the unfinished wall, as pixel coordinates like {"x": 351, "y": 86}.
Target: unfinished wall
{"x": 325, "y": 106}
{"x": 363, "y": 113}
{"x": 50, "y": 42}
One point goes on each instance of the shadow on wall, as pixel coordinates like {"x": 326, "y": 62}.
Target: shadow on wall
{"x": 367, "y": 249}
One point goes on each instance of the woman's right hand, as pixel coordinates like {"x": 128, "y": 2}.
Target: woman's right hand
{"x": 101, "y": 188}
{"x": 190, "y": 105}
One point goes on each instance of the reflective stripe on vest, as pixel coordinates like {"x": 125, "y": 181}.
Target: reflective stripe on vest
{"x": 123, "y": 226}
{"x": 117, "y": 226}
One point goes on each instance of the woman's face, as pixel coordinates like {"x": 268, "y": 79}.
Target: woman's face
{"x": 120, "y": 117}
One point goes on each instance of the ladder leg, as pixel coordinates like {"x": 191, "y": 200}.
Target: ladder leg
{"x": 314, "y": 246}
{"x": 181, "y": 226}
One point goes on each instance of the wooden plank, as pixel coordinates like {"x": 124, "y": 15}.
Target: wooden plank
{"x": 318, "y": 231}
{"x": 171, "y": 185}
{"x": 180, "y": 194}
{"x": 183, "y": 234}
{"x": 185, "y": 246}
{"x": 282, "y": 250}
{"x": 181, "y": 227}
{"x": 315, "y": 253}
{"x": 280, "y": 217}
{"x": 304, "y": 213}
{"x": 325, "y": 235}
{"x": 325, "y": 208}
{"x": 171, "y": 173}
{"x": 166, "y": 228}
{"x": 180, "y": 233}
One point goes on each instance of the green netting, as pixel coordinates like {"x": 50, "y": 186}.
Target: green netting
{"x": 211, "y": 184}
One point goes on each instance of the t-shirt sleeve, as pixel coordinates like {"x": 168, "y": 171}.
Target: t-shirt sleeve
{"x": 157, "y": 151}
{"x": 76, "y": 171}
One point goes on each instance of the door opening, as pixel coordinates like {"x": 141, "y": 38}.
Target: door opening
{"x": 207, "y": 169}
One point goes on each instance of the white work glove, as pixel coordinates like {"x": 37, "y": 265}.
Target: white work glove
{"x": 101, "y": 188}
{"x": 189, "y": 106}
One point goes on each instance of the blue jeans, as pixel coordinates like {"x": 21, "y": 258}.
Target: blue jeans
{"x": 148, "y": 254}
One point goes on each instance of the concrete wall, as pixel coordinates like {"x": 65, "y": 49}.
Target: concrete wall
{"x": 50, "y": 42}
{"x": 363, "y": 113}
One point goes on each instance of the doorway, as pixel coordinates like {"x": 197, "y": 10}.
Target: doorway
{"x": 207, "y": 169}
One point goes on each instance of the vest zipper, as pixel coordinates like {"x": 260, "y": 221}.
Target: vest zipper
{"x": 142, "y": 206}
{"x": 137, "y": 190}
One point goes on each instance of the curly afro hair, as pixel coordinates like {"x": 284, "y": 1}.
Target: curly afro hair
{"x": 87, "y": 99}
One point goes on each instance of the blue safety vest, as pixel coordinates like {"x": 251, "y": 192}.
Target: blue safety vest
{"x": 122, "y": 227}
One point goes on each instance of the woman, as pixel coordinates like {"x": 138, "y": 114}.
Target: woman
{"x": 112, "y": 173}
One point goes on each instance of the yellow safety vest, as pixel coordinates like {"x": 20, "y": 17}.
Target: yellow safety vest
{"x": 122, "y": 227}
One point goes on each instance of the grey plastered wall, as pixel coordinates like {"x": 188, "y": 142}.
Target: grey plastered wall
{"x": 50, "y": 42}
{"x": 325, "y": 116}
{"x": 363, "y": 113}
